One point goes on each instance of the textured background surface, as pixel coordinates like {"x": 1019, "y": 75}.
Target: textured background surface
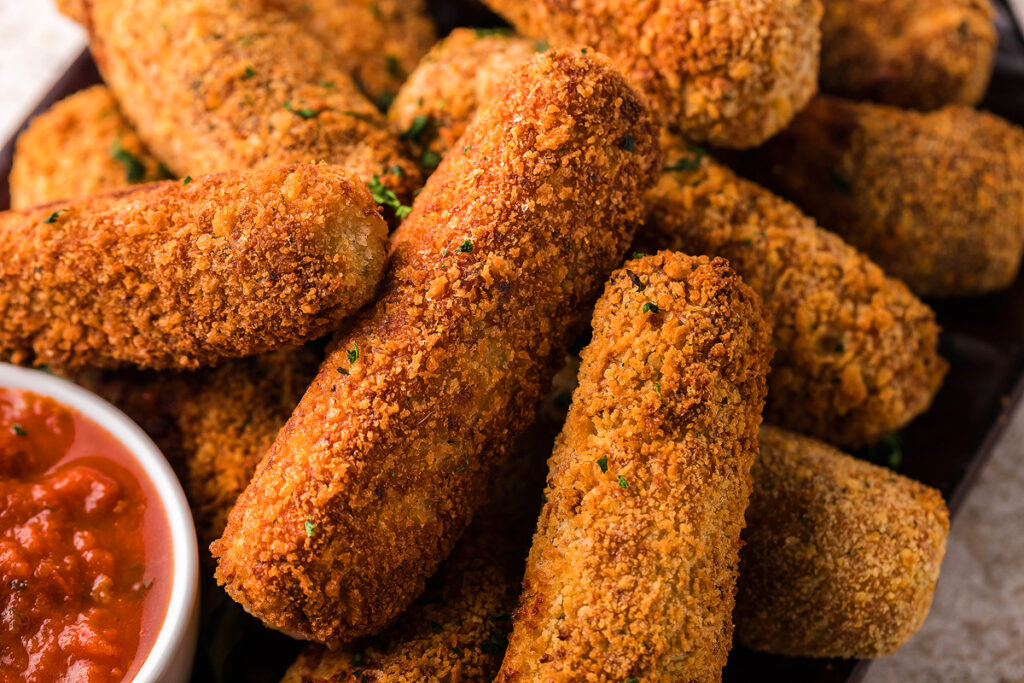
{"x": 975, "y": 631}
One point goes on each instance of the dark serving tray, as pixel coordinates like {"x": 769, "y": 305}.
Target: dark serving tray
{"x": 983, "y": 339}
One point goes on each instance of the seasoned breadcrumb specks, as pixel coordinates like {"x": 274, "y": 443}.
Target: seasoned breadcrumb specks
{"x": 632, "y": 573}
{"x": 731, "y": 72}
{"x": 840, "y": 557}
{"x": 936, "y": 199}
{"x": 908, "y": 53}
{"x": 175, "y": 275}
{"x": 856, "y": 354}
{"x": 80, "y": 146}
{"x": 392, "y": 448}
{"x": 213, "y": 85}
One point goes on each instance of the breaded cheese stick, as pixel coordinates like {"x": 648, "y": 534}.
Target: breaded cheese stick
{"x": 80, "y": 146}
{"x": 179, "y": 275}
{"x": 632, "y": 572}
{"x": 731, "y": 72}
{"x": 936, "y": 199}
{"x": 840, "y": 557}
{"x": 389, "y": 452}
{"x": 464, "y": 70}
{"x": 908, "y": 53}
{"x": 377, "y": 42}
{"x": 213, "y": 85}
{"x": 856, "y": 354}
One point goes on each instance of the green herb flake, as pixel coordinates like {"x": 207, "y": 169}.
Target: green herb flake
{"x": 839, "y": 181}
{"x": 386, "y": 197}
{"x": 353, "y": 354}
{"x": 650, "y": 307}
{"x": 638, "y": 254}
{"x": 633, "y": 680}
{"x": 18, "y": 429}
{"x": 484, "y": 32}
{"x": 416, "y": 128}
{"x": 303, "y": 112}
{"x": 394, "y": 68}
{"x": 310, "y": 526}
{"x": 465, "y": 465}
{"x": 635, "y": 279}
{"x": 623, "y": 483}
{"x": 187, "y": 180}
{"x": 134, "y": 170}
{"x": 541, "y": 46}
{"x": 52, "y": 218}
{"x": 628, "y": 143}
{"x": 430, "y": 159}
{"x": 657, "y": 388}
{"x": 248, "y": 73}
{"x": 329, "y": 85}
{"x": 466, "y": 246}
{"x": 397, "y": 171}
{"x": 895, "y": 443}
{"x": 602, "y": 462}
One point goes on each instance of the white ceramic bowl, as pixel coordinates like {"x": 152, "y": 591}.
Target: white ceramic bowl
{"x": 170, "y": 658}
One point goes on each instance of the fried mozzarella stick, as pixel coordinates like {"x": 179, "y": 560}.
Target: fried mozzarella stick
{"x": 179, "y": 275}
{"x": 908, "y": 53}
{"x": 80, "y": 146}
{"x": 856, "y": 353}
{"x": 377, "y": 42}
{"x": 732, "y": 72}
{"x": 936, "y": 199}
{"x": 840, "y": 557}
{"x": 632, "y": 573}
{"x": 213, "y": 85}
{"x": 389, "y": 452}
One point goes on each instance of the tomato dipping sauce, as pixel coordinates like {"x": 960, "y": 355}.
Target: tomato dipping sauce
{"x": 85, "y": 548}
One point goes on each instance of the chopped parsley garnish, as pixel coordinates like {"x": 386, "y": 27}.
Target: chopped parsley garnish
{"x": 352, "y": 354}
{"x": 635, "y": 279}
{"x": 248, "y": 73}
{"x": 187, "y": 180}
{"x": 689, "y": 163}
{"x": 310, "y": 526}
{"x": 304, "y": 112}
{"x": 416, "y": 128}
{"x": 484, "y": 32}
{"x": 541, "y": 46}
{"x": 18, "y": 429}
{"x": 397, "y": 171}
{"x": 466, "y": 246}
{"x": 628, "y": 143}
{"x": 342, "y": 370}
{"x": 657, "y": 388}
{"x": 638, "y": 254}
{"x": 384, "y": 100}
{"x": 134, "y": 170}
{"x": 633, "y": 680}
{"x": 623, "y": 483}
{"x": 394, "y": 68}
{"x": 326, "y": 84}
{"x": 602, "y": 462}
{"x": 840, "y": 182}
{"x": 463, "y": 466}
{"x": 52, "y": 218}
{"x": 650, "y": 307}
{"x": 385, "y": 196}
{"x": 430, "y": 159}
{"x": 895, "y": 443}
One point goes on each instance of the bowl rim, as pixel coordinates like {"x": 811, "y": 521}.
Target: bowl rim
{"x": 184, "y": 593}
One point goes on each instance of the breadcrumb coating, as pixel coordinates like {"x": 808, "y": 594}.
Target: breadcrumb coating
{"x": 856, "y": 354}
{"x": 632, "y": 572}
{"x": 80, "y": 146}
{"x": 214, "y": 424}
{"x": 214, "y": 85}
{"x": 730, "y": 72}
{"x": 908, "y": 53}
{"x": 377, "y": 42}
{"x": 460, "y": 73}
{"x": 179, "y": 275}
{"x": 840, "y": 557}
{"x": 392, "y": 448}
{"x": 936, "y": 199}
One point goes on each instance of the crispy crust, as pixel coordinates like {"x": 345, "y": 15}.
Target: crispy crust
{"x": 205, "y": 84}
{"x": 840, "y": 557}
{"x": 632, "y": 573}
{"x": 73, "y": 150}
{"x": 732, "y": 72}
{"x": 389, "y": 452}
{"x": 936, "y": 199}
{"x": 174, "y": 275}
{"x": 856, "y": 353}
{"x": 460, "y": 73}
{"x": 377, "y": 42}
{"x": 908, "y": 53}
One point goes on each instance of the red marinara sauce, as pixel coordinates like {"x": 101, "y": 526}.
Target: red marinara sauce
{"x": 85, "y": 548}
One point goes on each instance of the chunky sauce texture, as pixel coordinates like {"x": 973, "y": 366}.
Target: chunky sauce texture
{"x": 85, "y": 550}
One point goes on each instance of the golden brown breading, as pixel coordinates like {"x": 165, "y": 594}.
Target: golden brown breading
{"x": 840, "y": 557}
{"x": 632, "y": 573}
{"x": 390, "y": 451}
{"x": 212, "y": 85}
{"x": 908, "y": 53}
{"x": 466, "y": 69}
{"x": 856, "y": 353}
{"x": 377, "y": 42}
{"x": 214, "y": 424}
{"x": 732, "y": 72}
{"x": 178, "y": 275}
{"x": 936, "y": 199}
{"x": 80, "y": 146}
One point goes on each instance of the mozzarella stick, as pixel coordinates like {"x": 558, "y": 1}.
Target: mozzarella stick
{"x": 856, "y": 352}
{"x": 731, "y": 72}
{"x": 840, "y": 557}
{"x": 392, "y": 448}
{"x": 179, "y": 275}
{"x": 632, "y": 572}
{"x": 214, "y": 85}
{"x": 80, "y": 146}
